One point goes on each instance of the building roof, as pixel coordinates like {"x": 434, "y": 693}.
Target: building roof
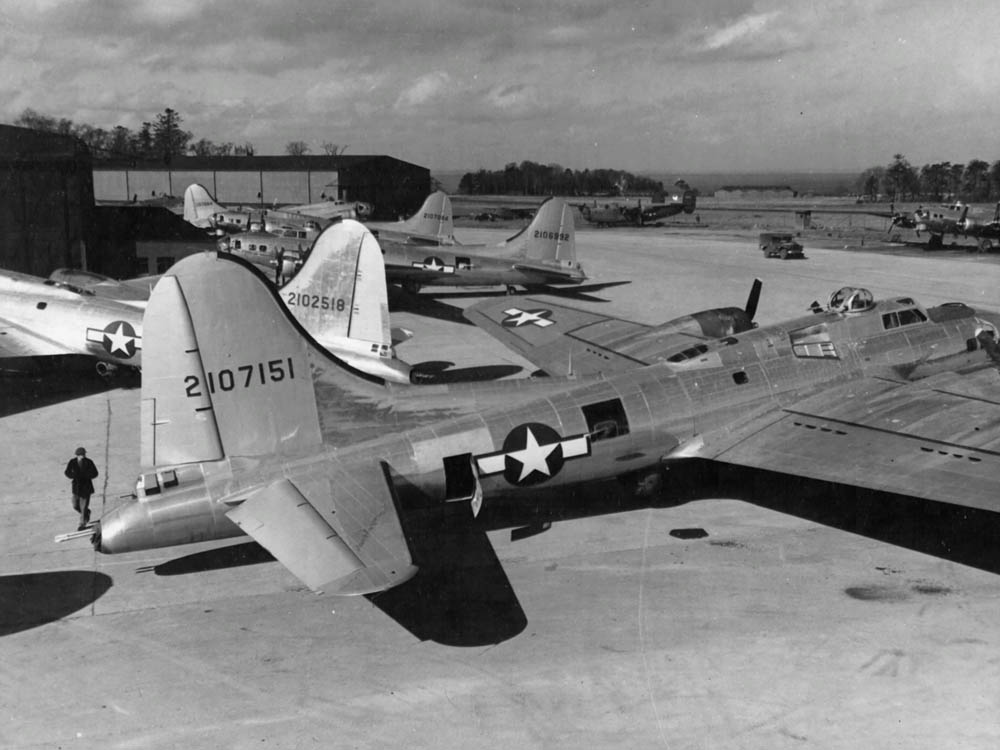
{"x": 251, "y": 163}
{"x": 38, "y": 145}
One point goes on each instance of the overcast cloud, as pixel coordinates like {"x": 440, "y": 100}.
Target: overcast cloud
{"x": 701, "y": 86}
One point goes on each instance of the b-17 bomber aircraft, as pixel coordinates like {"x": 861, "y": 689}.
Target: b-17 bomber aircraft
{"x": 432, "y": 224}
{"x": 280, "y": 253}
{"x": 247, "y": 427}
{"x": 563, "y": 340}
{"x": 44, "y": 318}
{"x": 541, "y": 255}
{"x": 952, "y": 219}
{"x": 339, "y": 296}
{"x": 201, "y": 210}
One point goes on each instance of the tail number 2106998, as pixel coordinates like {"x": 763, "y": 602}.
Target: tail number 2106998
{"x": 243, "y": 376}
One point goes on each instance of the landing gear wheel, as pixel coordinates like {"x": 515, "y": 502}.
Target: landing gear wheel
{"x": 411, "y": 286}
{"x": 511, "y": 289}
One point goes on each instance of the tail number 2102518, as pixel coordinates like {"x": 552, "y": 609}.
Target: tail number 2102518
{"x": 243, "y": 376}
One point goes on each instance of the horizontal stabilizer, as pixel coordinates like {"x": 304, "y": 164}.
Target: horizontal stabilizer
{"x": 550, "y": 236}
{"x": 338, "y": 533}
{"x": 292, "y": 530}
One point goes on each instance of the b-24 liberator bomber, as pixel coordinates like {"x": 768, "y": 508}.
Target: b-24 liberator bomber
{"x": 640, "y": 214}
{"x": 539, "y": 256}
{"x": 248, "y": 427}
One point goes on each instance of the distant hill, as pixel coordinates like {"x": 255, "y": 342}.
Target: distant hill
{"x": 804, "y": 183}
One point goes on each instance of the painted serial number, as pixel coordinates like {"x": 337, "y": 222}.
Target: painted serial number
{"x": 317, "y": 301}
{"x": 437, "y": 217}
{"x": 544, "y": 234}
{"x": 243, "y": 376}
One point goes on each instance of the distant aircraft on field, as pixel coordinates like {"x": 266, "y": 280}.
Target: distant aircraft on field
{"x": 201, "y": 210}
{"x": 542, "y": 254}
{"x": 950, "y": 219}
{"x": 648, "y": 214}
{"x": 432, "y": 224}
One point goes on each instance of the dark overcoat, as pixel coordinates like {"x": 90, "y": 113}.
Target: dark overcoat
{"x": 82, "y": 473}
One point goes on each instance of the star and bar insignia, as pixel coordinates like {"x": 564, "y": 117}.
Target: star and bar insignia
{"x": 434, "y": 264}
{"x": 532, "y": 453}
{"x": 517, "y": 317}
{"x": 118, "y": 338}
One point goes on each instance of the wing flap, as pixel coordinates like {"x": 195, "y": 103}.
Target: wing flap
{"x": 910, "y": 439}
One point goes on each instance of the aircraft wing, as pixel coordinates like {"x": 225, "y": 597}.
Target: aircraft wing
{"x": 339, "y": 533}
{"x": 18, "y": 341}
{"x": 557, "y": 338}
{"x": 562, "y": 340}
{"x": 937, "y": 439}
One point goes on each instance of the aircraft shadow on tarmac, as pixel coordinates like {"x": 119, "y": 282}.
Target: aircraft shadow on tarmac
{"x": 33, "y": 599}
{"x": 436, "y": 372}
{"x": 461, "y": 595}
{"x": 35, "y": 383}
{"x": 963, "y": 535}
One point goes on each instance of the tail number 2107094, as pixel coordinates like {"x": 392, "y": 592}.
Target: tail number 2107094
{"x": 243, "y": 376}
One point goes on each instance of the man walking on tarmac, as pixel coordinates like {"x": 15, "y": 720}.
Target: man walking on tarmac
{"x": 82, "y": 471}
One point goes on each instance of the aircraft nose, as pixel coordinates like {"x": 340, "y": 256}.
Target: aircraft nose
{"x": 125, "y": 528}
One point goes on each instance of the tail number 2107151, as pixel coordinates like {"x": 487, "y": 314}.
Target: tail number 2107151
{"x": 243, "y": 376}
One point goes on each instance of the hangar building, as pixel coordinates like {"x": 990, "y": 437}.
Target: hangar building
{"x": 394, "y": 188}
{"x": 46, "y": 200}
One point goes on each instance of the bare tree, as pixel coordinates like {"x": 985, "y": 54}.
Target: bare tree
{"x": 333, "y": 149}
{"x": 296, "y": 148}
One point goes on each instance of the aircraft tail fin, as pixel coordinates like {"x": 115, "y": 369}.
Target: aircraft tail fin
{"x": 199, "y": 206}
{"x": 227, "y": 373}
{"x": 551, "y": 235}
{"x": 339, "y": 296}
{"x": 433, "y": 220}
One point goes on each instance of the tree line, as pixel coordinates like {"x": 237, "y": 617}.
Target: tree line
{"x": 161, "y": 138}
{"x": 976, "y": 181}
{"x": 529, "y": 178}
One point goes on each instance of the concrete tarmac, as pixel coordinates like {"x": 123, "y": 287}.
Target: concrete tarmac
{"x": 708, "y": 620}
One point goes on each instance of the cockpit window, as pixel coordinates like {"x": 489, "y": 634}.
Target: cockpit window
{"x": 694, "y": 351}
{"x": 813, "y": 341}
{"x": 903, "y": 318}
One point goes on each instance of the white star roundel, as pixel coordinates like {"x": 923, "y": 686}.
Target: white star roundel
{"x": 118, "y": 338}
{"x": 532, "y": 453}
{"x": 517, "y": 317}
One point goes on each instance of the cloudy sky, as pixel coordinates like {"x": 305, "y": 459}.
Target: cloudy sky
{"x": 679, "y": 87}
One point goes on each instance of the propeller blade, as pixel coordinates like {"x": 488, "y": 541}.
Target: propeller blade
{"x": 753, "y": 299}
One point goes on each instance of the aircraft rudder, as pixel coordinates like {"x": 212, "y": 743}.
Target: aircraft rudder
{"x": 551, "y": 235}
{"x": 199, "y": 204}
{"x": 254, "y": 370}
